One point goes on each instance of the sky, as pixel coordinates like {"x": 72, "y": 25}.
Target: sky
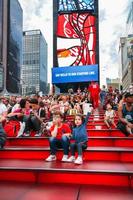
{"x": 37, "y": 14}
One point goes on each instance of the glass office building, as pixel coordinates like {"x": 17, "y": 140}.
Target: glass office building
{"x": 11, "y": 18}
{"x": 14, "y": 50}
{"x": 34, "y": 68}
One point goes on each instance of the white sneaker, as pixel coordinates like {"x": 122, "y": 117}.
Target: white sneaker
{"x": 21, "y": 130}
{"x": 38, "y": 134}
{"x": 79, "y": 160}
{"x": 71, "y": 159}
{"x": 65, "y": 158}
{"x": 51, "y": 158}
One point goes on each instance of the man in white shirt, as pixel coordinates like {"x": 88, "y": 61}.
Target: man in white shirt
{"x": 3, "y": 108}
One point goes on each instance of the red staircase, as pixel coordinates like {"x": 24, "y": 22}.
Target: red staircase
{"x": 108, "y": 161}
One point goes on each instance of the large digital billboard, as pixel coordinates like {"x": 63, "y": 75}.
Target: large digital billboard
{"x": 75, "y": 36}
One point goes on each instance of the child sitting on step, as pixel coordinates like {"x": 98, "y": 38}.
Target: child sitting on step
{"x": 80, "y": 137}
{"x": 109, "y": 116}
{"x": 60, "y": 137}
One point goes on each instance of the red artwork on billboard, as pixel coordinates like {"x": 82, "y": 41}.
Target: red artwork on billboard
{"x": 76, "y": 39}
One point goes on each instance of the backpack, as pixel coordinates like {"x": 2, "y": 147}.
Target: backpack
{"x": 11, "y": 128}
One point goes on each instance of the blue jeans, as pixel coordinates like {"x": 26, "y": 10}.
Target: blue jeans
{"x": 2, "y": 137}
{"x": 79, "y": 147}
{"x": 55, "y": 143}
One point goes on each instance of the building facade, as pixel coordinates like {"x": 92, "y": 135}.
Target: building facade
{"x": 34, "y": 68}
{"x": 11, "y": 18}
{"x": 126, "y": 53}
{"x": 1, "y": 39}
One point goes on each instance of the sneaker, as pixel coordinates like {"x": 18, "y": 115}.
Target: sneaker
{"x": 38, "y": 134}
{"x": 65, "y": 158}
{"x": 71, "y": 159}
{"x": 51, "y": 158}
{"x": 79, "y": 160}
{"x": 21, "y": 130}
{"x": 26, "y": 134}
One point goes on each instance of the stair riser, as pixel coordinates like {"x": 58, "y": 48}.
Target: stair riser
{"x": 96, "y": 126}
{"x": 88, "y": 155}
{"x": 105, "y": 133}
{"x": 92, "y": 142}
{"x": 67, "y": 177}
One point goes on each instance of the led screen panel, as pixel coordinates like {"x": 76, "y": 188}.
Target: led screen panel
{"x": 74, "y": 74}
{"x": 76, "y": 39}
{"x": 74, "y": 5}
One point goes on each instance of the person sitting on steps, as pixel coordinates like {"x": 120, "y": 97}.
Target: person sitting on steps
{"x": 125, "y": 113}
{"x": 80, "y": 137}
{"x": 60, "y": 137}
{"x": 109, "y": 116}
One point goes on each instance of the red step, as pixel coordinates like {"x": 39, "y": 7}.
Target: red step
{"x": 92, "y": 173}
{"x": 31, "y": 191}
{"x": 92, "y": 153}
{"x": 102, "y": 193}
{"x": 105, "y": 132}
{"x": 36, "y": 191}
{"x": 92, "y": 141}
{"x": 93, "y": 126}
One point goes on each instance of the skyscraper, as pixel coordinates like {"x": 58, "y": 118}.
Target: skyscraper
{"x": 11, "y": 18}
{"x": 34, "y": 68}
{"x": 1, "y": 39}
{"x": 126, "y": 52}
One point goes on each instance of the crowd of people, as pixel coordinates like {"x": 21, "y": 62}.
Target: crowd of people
{"x": 47, "y": 115}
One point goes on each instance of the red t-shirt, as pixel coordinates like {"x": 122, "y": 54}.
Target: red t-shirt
{"x": 61, "y": 130}
{"x": 94, "y": 89}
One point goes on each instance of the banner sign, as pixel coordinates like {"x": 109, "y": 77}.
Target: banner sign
{"x": 75, "y": 74}
{"x": 130, "y": 46}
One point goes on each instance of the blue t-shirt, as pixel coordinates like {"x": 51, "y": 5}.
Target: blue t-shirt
{"x": 128, "y": 115}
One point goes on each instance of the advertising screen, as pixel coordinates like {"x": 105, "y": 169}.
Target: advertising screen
{"x": 76, "y": 42}
{"x": 74, "y": 74}
{"x": 74, "y": 5}
{"x": 76, "y": 39}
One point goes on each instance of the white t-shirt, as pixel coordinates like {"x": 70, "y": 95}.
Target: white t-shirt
{"x": 3, "y": 108}
{"x": 87, "y": 107}
{"x": 109, "y": 113}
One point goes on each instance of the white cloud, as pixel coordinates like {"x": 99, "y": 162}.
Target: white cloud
{"x": 112, "y": 26}
{"x": 38, "y": 15}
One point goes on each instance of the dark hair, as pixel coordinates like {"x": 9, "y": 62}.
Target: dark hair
{"x": 58, "y": 113}
{"x": 41, "y": 104}
{"x": 22, "y": 103}
{"x": 79, "y": 115}
{"x": 34, "y": 101}
{"x": 128, "y": 94}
